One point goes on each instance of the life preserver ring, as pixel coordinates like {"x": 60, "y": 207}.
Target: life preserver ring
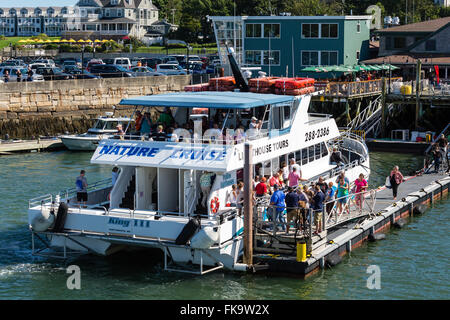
{"x": 215, "y": 205}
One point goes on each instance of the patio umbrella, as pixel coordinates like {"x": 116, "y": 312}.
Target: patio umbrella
{"x": 48, "y": 41}
{"x": 361, "y": 67}
{"x": 81, "y": 41}
{"x": 23, "y": 41}
{"x": 393, "y": 67}
{"x": 375, "y": 68}
{"x": 88, "y": 40}
{"x": 309, "y": 69}
{"x": 64, "y": 40}
{"x": 72, "y": 41}
{"x": 97, "y": 41}
{"x": 104, "y": 40}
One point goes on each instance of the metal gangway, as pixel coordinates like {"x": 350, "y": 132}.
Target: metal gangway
{"x": 369, "y": 120}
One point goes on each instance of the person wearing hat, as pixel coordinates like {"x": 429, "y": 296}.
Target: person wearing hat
{"x": 261, "y": 188}
{"x": 120, "y": 131}
{"x": 255, "y": 124}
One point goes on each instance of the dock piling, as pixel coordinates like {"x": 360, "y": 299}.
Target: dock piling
{"x": 248, "y": 205}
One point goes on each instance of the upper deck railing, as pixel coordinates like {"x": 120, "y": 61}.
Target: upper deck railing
{"x": 346, "y": 89}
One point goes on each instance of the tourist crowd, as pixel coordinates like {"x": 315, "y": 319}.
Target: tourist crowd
{"x": 290, "y": 200}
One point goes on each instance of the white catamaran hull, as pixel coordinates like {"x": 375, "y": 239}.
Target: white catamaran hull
{"x": 98, "y": 233}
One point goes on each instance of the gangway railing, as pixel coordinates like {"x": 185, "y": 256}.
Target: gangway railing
{"x": 445, "y": 132}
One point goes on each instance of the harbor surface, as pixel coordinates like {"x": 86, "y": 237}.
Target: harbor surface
{"x": 416, "y": 254}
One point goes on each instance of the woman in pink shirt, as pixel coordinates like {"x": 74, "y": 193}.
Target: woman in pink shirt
{"x": 361, "y": 187}
{"x": 294, "y": 177}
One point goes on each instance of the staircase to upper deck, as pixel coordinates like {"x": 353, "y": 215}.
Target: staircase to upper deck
{"x": 128, "y": 198}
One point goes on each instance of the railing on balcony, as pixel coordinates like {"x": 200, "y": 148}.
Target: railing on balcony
{"x": 354, "y": 88}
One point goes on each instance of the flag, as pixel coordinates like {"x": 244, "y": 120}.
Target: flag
{"x": 436, "y": 68}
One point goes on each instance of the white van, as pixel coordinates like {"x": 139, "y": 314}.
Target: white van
{"x": 123, "y": 62}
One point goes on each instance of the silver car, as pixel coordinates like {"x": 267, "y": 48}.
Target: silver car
{"x": 145, "y": 71}
{"x": 24, "y": 74}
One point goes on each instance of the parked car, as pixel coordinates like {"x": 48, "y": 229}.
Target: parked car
{"x": 170, "y": 60}
{"x": 13, "y": 63}
{"x": 151, "y": 62}
{"x": 48, "y": 62}
{"x": 12, "y": 70}
{"x": 34, "y": 66}
{"x": 123, "y": 62}
{"x": 170, "y": 69}
{"x": 79, "y": 73}
{"x": 110, "y": 71}
{"x": 71, "y": 62}
{"x": 53, "y": 74}
{"x": 93, "y": 62}
{"x": 145, "y": 71}
{"x": 198, "y": 68}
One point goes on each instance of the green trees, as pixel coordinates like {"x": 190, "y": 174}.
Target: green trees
{"x": 191, "y": 15}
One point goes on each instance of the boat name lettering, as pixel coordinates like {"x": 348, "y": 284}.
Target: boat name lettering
{"x": 120, "y": 222}
{"x": 228, "y": 180}
{"x": 319, "y": 133}
{"x": 129, "y": 151}
{"x": 271, "y": 147}
{"x": 198, "y": 154}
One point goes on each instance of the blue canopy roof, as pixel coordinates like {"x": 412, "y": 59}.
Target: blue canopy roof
{"x": 208, "y": 99}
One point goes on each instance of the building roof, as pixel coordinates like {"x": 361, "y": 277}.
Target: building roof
{"x": 114, "y": 20}
{"x": 222, "y": 100}
{"x": 425, "y": 26}
{"x": 409, "y": 59}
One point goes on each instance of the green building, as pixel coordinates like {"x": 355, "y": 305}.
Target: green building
{"x": 283, "y": 44}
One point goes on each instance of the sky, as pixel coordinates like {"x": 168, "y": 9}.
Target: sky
{"x": 37, "y": 3}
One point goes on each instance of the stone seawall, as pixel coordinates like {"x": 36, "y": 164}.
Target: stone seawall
{"x": 52, "y": 107}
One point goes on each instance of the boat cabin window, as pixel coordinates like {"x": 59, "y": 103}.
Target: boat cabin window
{"x": 111, "y": 125}
{"x": 314, "y": 152}
{"x": 281, "y": 116}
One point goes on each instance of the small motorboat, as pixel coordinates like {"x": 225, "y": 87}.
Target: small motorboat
{"x": 105, "y": 127}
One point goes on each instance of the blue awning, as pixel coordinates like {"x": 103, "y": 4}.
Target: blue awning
{"x": 208, "y": 99}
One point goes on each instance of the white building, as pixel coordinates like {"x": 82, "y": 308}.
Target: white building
{"x": 33, "y": 21}
{"x": 112, "y": 19}
{"x": 443, "y": 3}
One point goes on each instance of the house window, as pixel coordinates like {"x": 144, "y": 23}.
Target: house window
{"x": 399, "y": 43}
{"x": 253, "y": 30}
{"x": 271, "y": 30}
{"x": 310, "y": 30}
{"x": 328, "y": 58}
{"x": 274, "y": 57}
{"x": 310, "y": 58}
{"x": 357, "y": 55}
{"x": 253, "y": 57}
{"x": 358, "y": 27}
{"x": 329, "y": 30}
{"x": 430, "y": 45}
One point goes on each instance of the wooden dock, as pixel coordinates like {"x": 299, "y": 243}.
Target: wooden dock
{"x": 329, "y": 246}
{"x": 10, "y": 147}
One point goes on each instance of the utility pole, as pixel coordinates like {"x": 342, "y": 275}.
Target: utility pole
{"x": 383, "y": 107}
{"x": 248, "y": 204}
{"x": 406, "y": 12}
{"x": 173, "y": 15}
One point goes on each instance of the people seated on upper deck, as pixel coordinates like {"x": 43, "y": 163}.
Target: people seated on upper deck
{"x": 240, "y": 135}
{"x": 336, "y": 158}
{"x": 159, "y": 135}
{"x": 120, "y": 131}
{"x": 171, "y": 136}
{"x": 166, "y": 118}
{"x": 215, "y": 134}
{"x": 146, "y": 125}
{"x": 138, "y": 121}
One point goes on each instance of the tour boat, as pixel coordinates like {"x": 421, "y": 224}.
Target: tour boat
{"x": 156, "y": 200}
{"x": 105, "y": 127}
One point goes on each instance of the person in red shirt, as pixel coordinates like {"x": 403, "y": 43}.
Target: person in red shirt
{"x": 275, "y": 180}
{"x": 261, "y": 188}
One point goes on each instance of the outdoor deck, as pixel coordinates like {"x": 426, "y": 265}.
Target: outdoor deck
{"x": 378, "y": 216}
